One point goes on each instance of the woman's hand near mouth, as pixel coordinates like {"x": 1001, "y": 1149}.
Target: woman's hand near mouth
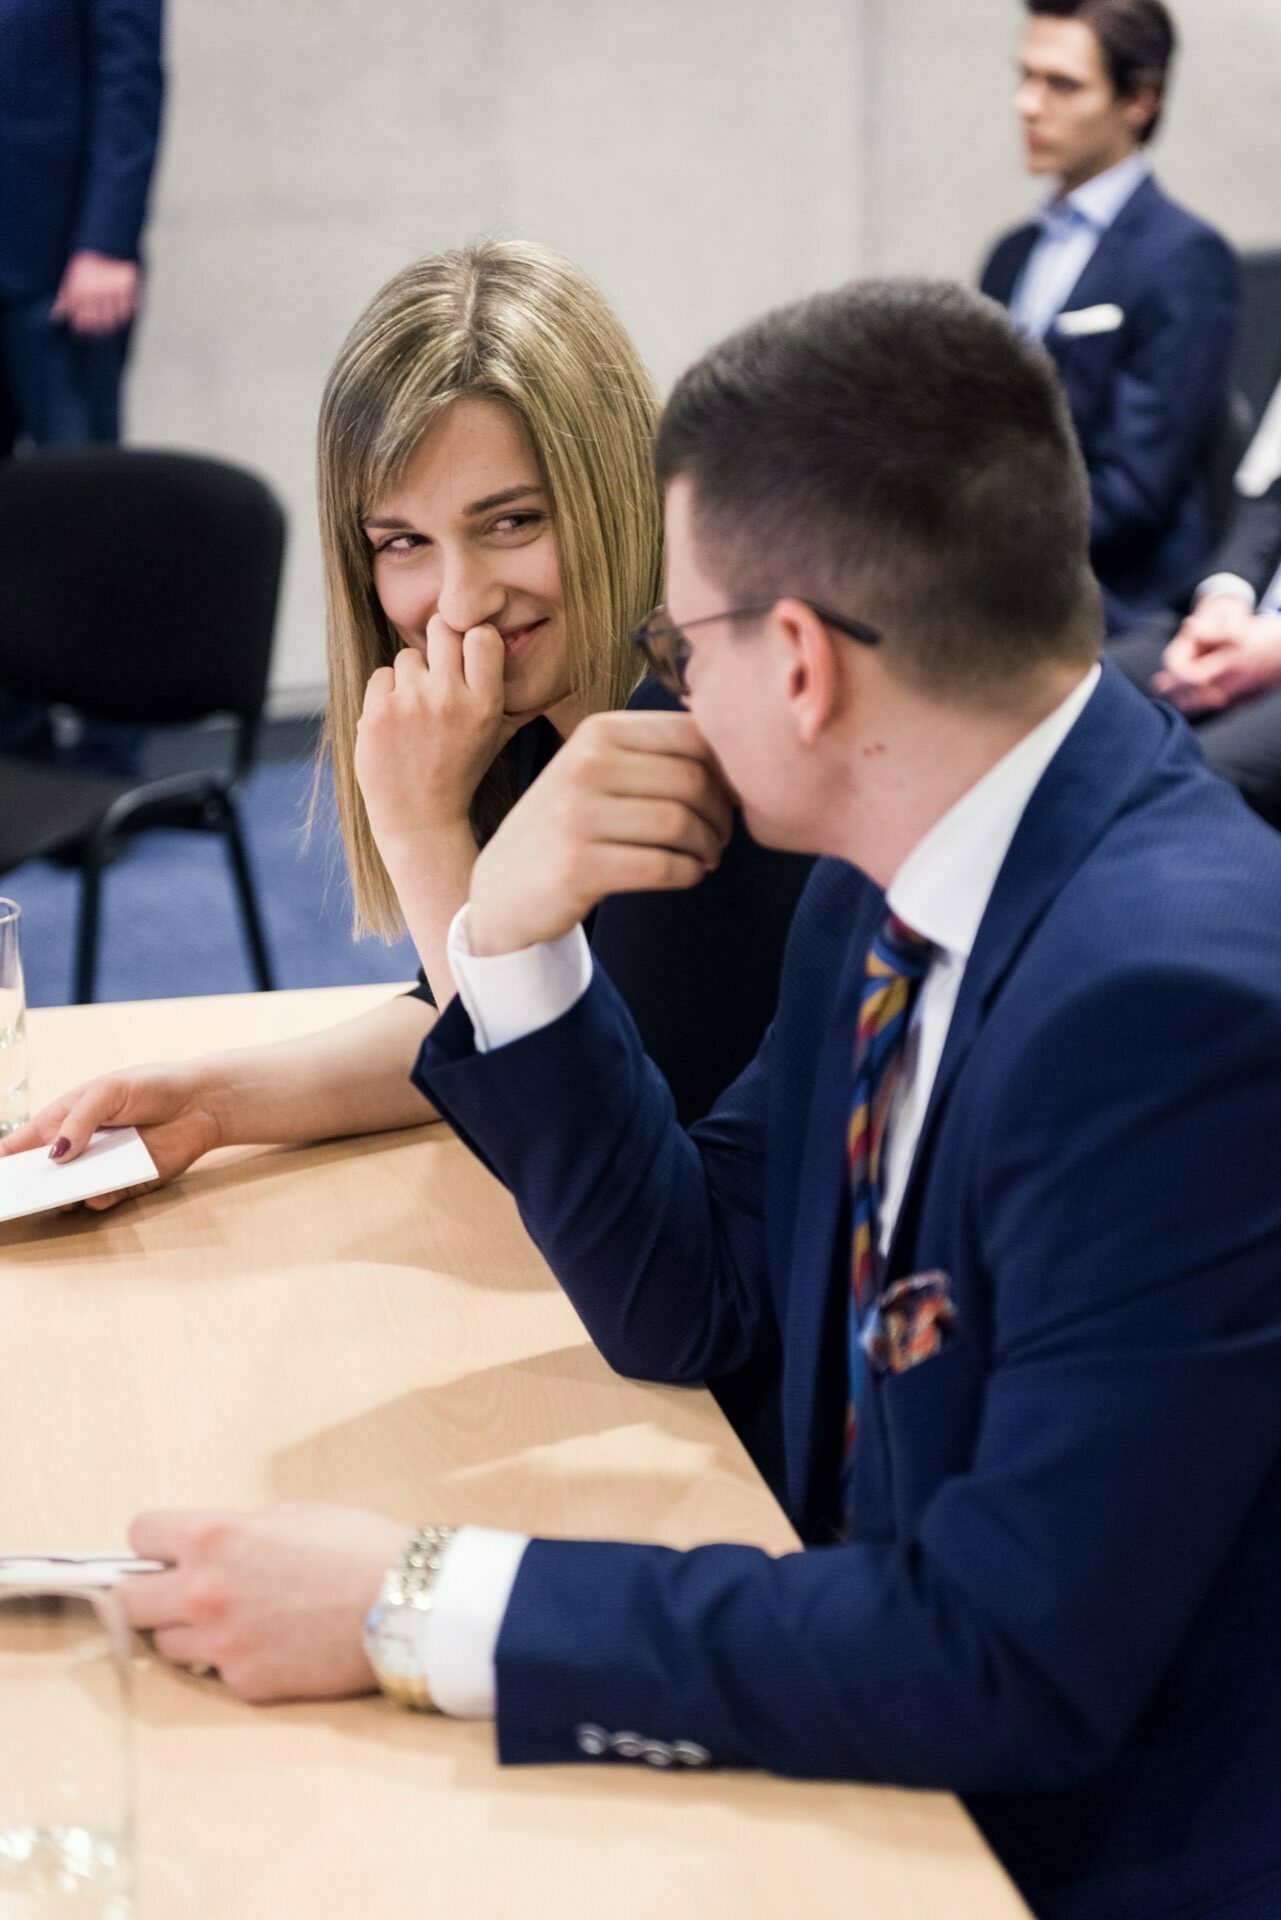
{"x": 431, "y": 725}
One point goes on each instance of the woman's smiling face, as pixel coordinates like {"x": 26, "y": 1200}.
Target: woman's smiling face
{"x": 467, "y": 534}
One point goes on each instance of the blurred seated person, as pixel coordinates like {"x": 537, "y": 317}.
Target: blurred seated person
{"x": 1134, "y": 298}
{"x": 1220, "y": 663}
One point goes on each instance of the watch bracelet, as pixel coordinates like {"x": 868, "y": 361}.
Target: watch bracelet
{"x": 410, "y": 1583}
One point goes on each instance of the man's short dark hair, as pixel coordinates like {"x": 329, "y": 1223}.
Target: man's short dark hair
{"x": 1137, "y": 40}
{"x": 896, "y": 451}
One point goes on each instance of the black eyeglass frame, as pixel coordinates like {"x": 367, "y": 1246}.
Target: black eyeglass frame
{"x": 669, "y": 668}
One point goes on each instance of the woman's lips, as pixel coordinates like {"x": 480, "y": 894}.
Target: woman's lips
{"x": 519, "y": 637}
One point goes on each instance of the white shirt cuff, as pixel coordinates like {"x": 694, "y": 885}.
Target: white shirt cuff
{"x": 1230, "y": 583}
{"x": 469, "y": 1599}
{"x": 510, "y": 995}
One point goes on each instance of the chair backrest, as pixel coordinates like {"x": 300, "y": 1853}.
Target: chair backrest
{"x": 138, "y": 585}
{"x": 1226, "y": 452}
{"x": 1258, "y": 360}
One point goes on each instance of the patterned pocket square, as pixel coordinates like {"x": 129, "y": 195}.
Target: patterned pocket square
{"x": 911, "y": 1322}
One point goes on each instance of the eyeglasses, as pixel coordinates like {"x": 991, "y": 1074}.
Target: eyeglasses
{"x": 667, "y": 648}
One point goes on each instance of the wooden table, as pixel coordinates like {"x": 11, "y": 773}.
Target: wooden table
{"x": 366, "y": 1321}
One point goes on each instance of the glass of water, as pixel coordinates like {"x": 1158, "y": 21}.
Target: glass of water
{"x": 66, "y": 1756}
{"x": 13, "y": 1021}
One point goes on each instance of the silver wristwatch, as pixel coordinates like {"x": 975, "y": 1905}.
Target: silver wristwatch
{"x": 396, "y": 1625}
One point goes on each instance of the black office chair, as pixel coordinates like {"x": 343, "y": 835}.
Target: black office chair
{"x": 138, "y": 587}
{"x": 1258, "y": 358}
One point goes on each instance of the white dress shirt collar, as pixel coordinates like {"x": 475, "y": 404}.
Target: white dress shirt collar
{"x": 1100, "y": 200}
{"x": 943, "y": 887}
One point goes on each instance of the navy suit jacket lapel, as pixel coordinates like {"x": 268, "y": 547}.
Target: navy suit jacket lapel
{"x": 1086, "y": 784}
{"x": 1109, "y": 266}
{"x": 1010, "y": 262}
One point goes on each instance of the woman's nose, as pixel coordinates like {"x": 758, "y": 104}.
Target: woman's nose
{"x": 469, "y": 594}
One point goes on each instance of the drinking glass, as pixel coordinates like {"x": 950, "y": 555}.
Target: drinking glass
{"x": 13, "y": 1021}
{"x": 66, "y": 1756}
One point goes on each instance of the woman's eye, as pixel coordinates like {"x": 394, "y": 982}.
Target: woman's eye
{"x": 517, "y": 522}
{"x": 400, "y": 543}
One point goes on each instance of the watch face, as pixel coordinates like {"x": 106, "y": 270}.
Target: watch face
{"x": 392, "y": 1643}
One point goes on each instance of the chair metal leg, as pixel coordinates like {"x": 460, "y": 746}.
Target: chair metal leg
{"x": 248, "y": 900}
{"x": 86, "y": 967}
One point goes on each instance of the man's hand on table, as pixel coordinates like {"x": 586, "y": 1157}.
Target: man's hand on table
{"x": 634, "y": 802}
{"x": 173, "y": 1108}
{"x": 275, "y": 1600}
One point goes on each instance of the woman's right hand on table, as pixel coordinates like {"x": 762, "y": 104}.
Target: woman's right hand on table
{"x": 172, "y": 1108}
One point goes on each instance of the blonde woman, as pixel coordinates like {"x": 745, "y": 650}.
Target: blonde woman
{"x": 491, "y": 534}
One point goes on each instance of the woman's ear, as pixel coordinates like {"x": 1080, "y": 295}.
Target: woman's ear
{"x": 810, "y": 668}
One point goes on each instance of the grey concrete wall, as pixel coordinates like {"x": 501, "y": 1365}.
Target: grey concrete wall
{"x": 703, "y": 159}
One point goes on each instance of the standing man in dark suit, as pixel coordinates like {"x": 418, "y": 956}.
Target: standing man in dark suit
{"x": 81, "y": 84}
{"x": 994, "y": 1211}
{"x": 80, "y": 97}
{"x": 1135, "y": 299}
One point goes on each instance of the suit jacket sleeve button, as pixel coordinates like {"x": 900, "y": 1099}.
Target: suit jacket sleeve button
{"x": 592, "y": 1740}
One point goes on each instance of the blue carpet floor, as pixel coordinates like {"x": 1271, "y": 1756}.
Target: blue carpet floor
{"x": 170, "y": 923}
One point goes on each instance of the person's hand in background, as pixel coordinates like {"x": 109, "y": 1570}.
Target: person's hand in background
{"x": 97, "y": 294}
{"x": 1200, "y": 675}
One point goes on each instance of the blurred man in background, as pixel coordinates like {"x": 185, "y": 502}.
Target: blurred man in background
{"x": 1134, "y": 298}
{"x": 81, "y": 85}
{"x": 1217, "y": 655}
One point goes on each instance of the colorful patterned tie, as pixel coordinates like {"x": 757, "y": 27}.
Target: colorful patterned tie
{"x": 897, "y": 962}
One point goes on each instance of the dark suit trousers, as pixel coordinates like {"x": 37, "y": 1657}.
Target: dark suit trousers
{"x": 58, "y": 388}
{"x": 1242, "y": 745}
{"x": 63, "y": 388}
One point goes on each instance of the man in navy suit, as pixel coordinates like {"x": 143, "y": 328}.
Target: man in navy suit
{"x": 1135, "y": 299}
{"x": 993, "y": 1216}
{"x": 80, "y": 97}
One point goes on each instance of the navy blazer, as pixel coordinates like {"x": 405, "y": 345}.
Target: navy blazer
{"x": 1251, "y": 546}
{"x": 1147, "y": 396}
{"x": 80, "y": 93}
{"x": 1063, "y": 1598}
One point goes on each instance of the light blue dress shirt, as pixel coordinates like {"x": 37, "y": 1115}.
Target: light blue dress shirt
{"x": 1071, "y": 228}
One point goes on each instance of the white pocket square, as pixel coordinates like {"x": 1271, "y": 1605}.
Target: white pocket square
{"x": 1090, "y": 320}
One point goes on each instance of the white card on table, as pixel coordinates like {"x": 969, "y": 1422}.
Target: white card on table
{"x": 33, "y": 1183}
{"x": 49, "y": 1571}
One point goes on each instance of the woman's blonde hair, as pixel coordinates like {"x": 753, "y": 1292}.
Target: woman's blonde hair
{"x": 512, "y": 322}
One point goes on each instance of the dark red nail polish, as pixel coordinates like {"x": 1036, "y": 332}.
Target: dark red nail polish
{"x": 59, "y": 1147}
